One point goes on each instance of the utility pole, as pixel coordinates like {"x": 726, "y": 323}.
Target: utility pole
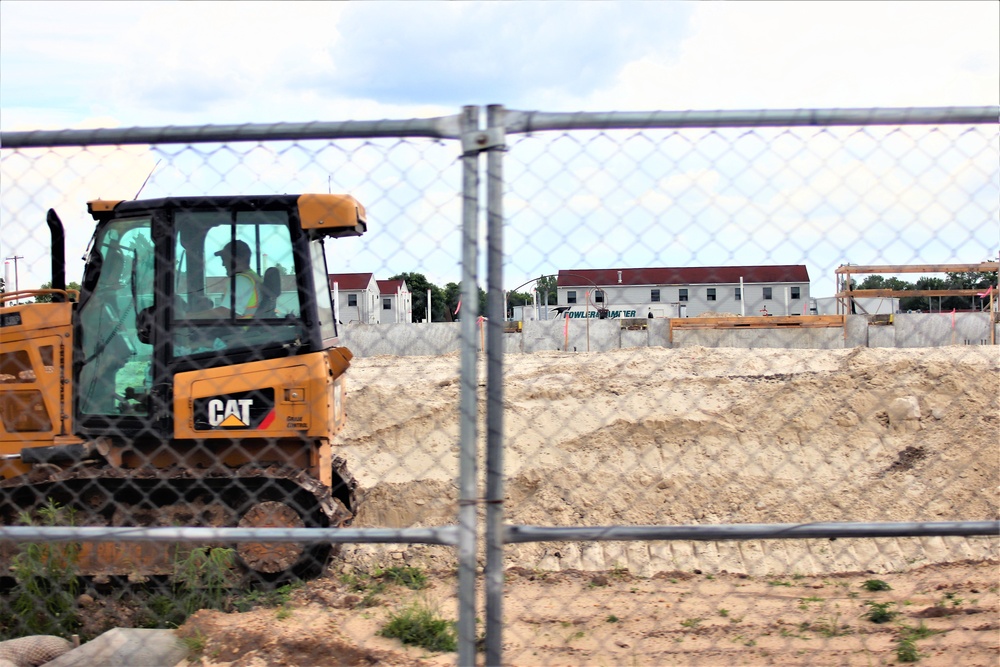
{"x": 17, "y": 287}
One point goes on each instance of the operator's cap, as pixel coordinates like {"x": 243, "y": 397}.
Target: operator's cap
{"x": 242, "y": 250}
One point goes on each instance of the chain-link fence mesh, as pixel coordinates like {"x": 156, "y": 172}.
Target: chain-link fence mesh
{"x": 691, "y": 446}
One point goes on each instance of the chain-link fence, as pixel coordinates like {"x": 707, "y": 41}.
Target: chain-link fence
{"x": 634, "y": 492}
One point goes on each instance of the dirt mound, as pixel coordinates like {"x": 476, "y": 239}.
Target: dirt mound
{"x": 693, "y": 435}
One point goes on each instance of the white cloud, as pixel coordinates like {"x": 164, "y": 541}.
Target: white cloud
{"x": 156, "y": 63}
{"x": 749, "y": 55}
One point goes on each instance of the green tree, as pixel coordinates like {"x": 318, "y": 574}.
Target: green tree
{"x": 47, "y": 298}
{"x": 452, "y": 294}
{"x": 517, "y": 299}
{"x": 547, "y": 286}
{"x": 926, "y": 302}
{"x": 418, "y": 285}
{"x": 881, "y": 282}
{"x": 978, "y": 280}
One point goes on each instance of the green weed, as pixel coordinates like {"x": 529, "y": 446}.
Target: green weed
{"x": 371, "y": 599}
{"x": 878, "y": 612}
{"x": 195, "y": 644}
{"x": 202, "y": 579}
{"x": 784, "y": 632}
{"x": 804, "y": 602}
{"x": 417, "y": 625}
{"x": 47, "y": 580}
{"x": 874, "y": 585}
{"x": 906, "y": 651}
{"x": 277, "y": 597}
{"x": 919, "y": 632}
{"x": 954, "y": 599}
{"x": 830, "y": 626}
{"x": 619, "y": 572}
{"x": 411, "y": 577}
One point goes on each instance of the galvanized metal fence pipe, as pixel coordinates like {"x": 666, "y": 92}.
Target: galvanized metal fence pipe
{"x": 468, "y": 399}
{"x": 494, "y": 390}
{"x": 525, "y": 122}
{"x": 750, "y": 531}
{"x": 445, "y": 127}
{"x": 444, "y": 535}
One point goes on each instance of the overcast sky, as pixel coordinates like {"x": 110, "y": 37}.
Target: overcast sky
{"x": 117, "y": 64}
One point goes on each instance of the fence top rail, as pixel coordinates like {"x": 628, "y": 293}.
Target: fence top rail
{"x": 443, "y": 127}
{"x": 537, "y": 121}
{"x": 523, "y": 122}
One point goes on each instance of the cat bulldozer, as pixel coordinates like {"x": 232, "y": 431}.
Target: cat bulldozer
{"x": 194, "y": 379}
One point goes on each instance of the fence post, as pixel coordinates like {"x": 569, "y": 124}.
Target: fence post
{"x": 468, "y": 492}
{"x": 496, "y": 313}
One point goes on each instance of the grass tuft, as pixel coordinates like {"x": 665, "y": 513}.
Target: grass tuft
{"x": 47, "y": 581}
{"x": 878, "y": 612}
{"x": 411, "y": 577}
{"x": 875, "y": 585}
{"x": 418, "y": 625}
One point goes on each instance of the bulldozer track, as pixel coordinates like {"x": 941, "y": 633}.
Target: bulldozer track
{"x": 248, "y": 496}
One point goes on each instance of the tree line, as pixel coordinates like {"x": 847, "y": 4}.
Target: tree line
{"x": 445, "y": 300}
{"x": 979, "y": 280}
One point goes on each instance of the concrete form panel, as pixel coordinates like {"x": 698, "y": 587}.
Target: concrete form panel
{"x": 829, "y": 338}
{"x": 635, "y": 338}
{"x": 906, "y": 330}
{"x": 659, "y": 333}
{"x": 881, "y": 336}
{"x": 595, "y": 336}
{"x": 512, "y": 343}
{"x": 855, "y": 331}
{"x": 369, "y": 340}
{"x": 937, "y": 329}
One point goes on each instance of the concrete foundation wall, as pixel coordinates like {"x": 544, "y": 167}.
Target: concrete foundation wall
{"x": 906, "y": 330}
{"x": 810, "y": 339}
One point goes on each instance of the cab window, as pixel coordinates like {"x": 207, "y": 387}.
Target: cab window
{"x": 235, "y": 281}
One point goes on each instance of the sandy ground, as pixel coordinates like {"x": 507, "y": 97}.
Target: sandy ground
{"x": 666, "y": 437}
{"x": 675, "y": 618}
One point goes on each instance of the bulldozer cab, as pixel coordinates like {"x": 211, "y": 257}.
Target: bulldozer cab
{"x": 180, "y": 284}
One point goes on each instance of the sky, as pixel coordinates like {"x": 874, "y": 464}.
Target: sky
{"x": 113, "y": 64}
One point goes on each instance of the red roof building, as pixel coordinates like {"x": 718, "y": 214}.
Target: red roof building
{"x": 359, "y": 297}
{"x": 685, "y": 291}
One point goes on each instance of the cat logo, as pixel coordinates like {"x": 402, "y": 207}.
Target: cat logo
{"x": 242, "y": 410}
{"x": 229, "y": 413}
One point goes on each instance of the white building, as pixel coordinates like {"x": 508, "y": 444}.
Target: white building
{"x": 356, "y": 297}
{"x": 361, "y": 298}
{"x": 685, "y": 291}
{"x": 396, "y": 301}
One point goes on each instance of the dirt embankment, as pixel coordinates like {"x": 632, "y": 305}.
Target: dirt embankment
{"x": 689, "y": 436}
{"x": 682, "y": 436}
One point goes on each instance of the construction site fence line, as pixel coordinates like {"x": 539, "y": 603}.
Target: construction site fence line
{"x": 514, "y": 122}
{"x": 446, "y": 535}
{"x": 512, "y": 534}
{"x": 760, "y": 531}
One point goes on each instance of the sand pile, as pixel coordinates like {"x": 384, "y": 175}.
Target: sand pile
{"x": 693, "y": 436}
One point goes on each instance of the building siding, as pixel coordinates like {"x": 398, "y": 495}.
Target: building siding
{"x": 632, "y": 298}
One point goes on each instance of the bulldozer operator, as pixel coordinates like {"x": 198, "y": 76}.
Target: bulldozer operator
{"x": 235, "y": 255}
